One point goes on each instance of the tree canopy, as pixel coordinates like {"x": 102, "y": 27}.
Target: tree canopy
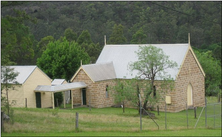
{"x": 61, "y": 59}
{"x": 152, "y": 63}
{"x": 212, "y": 69}
{"x": 117, "y": 36}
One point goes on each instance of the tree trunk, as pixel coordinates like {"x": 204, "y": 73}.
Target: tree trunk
{"x": 148, "y": 94}
{"x": 7, "y": 106}
{"x": 123, "y": 107}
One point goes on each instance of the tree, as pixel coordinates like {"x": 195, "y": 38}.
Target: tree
{"x": 139, "y": 37}
{"x": 61, "y": 59}
{"x": 122, "y": 91}
{"x": 70, "y": 35}
{"x": 42, "y": 45}
{"x": 16, "y": 39}
{"x": 44, "y": 42}
{"x": 8, "y": 77}
{"x": 117, "y": 36}
{"x": 152, "y": 63}
{"x": 84, "y": 37}
{"x": 212, "y": 69}
{"x": 93, "y": 50}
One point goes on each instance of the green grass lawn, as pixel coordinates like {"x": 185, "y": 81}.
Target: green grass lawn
{"x": 108, "y": 122}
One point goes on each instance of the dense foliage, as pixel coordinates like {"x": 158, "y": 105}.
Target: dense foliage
{"x": 27, "y": 27}
{"x": 212, "y": 69}
{"x": 62, "y": 58}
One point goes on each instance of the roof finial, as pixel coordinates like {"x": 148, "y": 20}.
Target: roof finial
{"x": 105, "y": 40}
{"x": 81, "y": 63}
{"x": 189, "y": 38}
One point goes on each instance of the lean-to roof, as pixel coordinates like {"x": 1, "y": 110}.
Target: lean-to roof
{"x": 59, "y": 88}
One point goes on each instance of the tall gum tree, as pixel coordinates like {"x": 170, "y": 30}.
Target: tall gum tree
{"x": 152, "y": 63}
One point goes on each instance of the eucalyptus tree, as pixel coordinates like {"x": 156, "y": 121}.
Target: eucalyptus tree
{"x": 8, "y": 77}
{"x": 151, "y": 65}
{"x": 117, "y": 36}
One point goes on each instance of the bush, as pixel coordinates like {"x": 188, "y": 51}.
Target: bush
{"x": 58, "y": 96}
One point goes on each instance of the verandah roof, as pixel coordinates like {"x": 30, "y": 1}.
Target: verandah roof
{"x": 60, "y": 88}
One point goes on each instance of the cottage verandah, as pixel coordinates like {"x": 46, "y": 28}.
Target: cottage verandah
{"x": 60, "y": 88}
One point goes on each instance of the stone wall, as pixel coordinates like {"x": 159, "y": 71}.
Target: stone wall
{"x": 190, "y": 73}
{"x": 95, "y": 91}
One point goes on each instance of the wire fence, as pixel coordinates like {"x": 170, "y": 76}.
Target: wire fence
{"x": 212, "y": 115}
{"x": 208, "y": 116}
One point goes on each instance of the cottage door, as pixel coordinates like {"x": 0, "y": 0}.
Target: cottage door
{"x": 189, "y": 95}
{"x": 38, "y": 99}
{"x": 84, "y": 96}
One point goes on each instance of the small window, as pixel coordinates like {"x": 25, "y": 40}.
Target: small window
{"x": 154, "y": 92}
{"x": 107, "y": 92}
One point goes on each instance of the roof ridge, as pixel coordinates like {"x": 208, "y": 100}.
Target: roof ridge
{"x": 101, "y": 63}
{"x": 170, "y": 44}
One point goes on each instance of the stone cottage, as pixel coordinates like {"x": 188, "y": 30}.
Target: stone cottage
{"x": 189, "y": 77}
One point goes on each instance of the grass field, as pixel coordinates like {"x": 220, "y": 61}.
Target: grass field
{"x": 109, "y": 122}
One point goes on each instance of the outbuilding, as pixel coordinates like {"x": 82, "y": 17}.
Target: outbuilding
{"x": 22, "y": 94}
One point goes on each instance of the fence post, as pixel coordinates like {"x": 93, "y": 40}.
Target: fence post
{"x": 140, "y": 114}
{"x": 205, "y": 112}
{"x": 195, "y": 112}
{"x": 77, "y": 120}
{"x": 158, "y": 110}
{"x": 26, "y": 102}
{"x": 187, "y": 114}
{"x": 214, "y": 115}
{"x": 2, "y": 123}
{"x": 165, "y": 116}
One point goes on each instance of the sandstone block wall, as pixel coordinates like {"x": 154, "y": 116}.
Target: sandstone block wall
{"x": 190, "y": 73}
{"x": 95, "y": 92}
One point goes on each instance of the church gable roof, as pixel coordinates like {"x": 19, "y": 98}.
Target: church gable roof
{"x": 122, "y": 55}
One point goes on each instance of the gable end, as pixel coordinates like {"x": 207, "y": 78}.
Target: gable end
{"x": 77, "y": 72}
{"x": 195, "y": 58}
{"x": 40, "y": 71}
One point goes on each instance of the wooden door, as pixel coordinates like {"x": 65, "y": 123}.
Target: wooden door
{"x": 84, "y": 96}
{"x": 38, "y": 99}
{"x": 189, "y": 95}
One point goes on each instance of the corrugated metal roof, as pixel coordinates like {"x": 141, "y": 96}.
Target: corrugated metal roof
{"x": 100, "y": 71}
{"x": 59, "y": 88}
{"x": 24, "y": 72}
{"x": 58, "y": 81}
{"x": 121, "y": 55}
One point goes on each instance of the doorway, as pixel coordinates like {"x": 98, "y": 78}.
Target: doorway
{"x": 83, "y": 96}
{"x": 38, "y": 99}
{"x": 189, "y": 95}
